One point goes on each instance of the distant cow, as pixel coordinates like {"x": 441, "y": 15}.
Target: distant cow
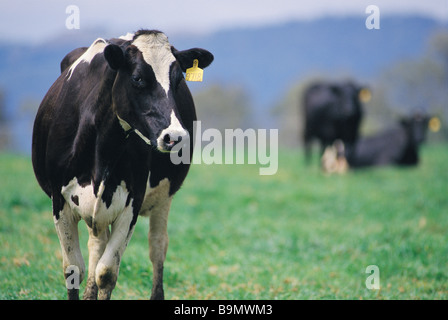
{"x": 396, "y": 146}
{"x": 332, "y": 112}
{"x": 101, "y": 148}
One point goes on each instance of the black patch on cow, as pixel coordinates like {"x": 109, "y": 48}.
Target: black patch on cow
{"x": 72, "y": 57}
{"x": 75, "y": 200}
{"x": 128, "y": 200}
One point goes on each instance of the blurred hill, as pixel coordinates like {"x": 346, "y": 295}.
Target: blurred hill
{"x": 264, "y": 62}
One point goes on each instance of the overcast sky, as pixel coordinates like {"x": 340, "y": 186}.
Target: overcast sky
{"x": 40, "y": 20}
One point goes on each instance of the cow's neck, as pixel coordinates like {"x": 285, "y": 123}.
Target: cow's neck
{"x": 109, "y": 149}
{"x": 110, "y": 141}
{"x": 128, "y": 129}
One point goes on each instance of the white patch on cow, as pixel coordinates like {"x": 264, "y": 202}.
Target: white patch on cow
{"x": 128, "y": 36}
{"x": 174, "y": 130}
{"x": 155, "y": 197}
{"x": 91, "y": 208}
{"x": 157, "y": 53}
{"x": 67, "y": 229}
{"x": 333, "y": 159}
{"x": 106, "y": 271}
{"x": 97, "y": 47}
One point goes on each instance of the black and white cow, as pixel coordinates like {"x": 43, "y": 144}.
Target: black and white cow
{"x": 394, "y": 146}
{"x": 332, "y": 111}
{"x": 101, "y": 150}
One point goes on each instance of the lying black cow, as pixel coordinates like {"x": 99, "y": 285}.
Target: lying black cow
{"x": 332, "y": 112}
{"x": 101, "y": 150}
{"x": 396, "y": 146}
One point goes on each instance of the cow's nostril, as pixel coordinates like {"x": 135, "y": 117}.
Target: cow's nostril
{"x": 170, "y": 141}
{"x": 167, "y": 139}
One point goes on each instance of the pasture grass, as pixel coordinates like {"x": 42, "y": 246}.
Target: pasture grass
{"x": 234, "y": 234}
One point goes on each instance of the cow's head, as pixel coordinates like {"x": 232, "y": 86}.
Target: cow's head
{"x": 145, "y": 93}
{"x": 416, "y": 127}
{"x": 352, "y": 96}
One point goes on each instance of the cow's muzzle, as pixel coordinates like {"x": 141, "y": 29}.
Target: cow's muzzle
{"x": 169, "y": 141}
{"x": 171, "y": 136}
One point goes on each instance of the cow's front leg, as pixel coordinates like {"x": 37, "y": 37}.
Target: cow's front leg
{"x": 97, "y": 245}
{"x": 72, "y": 262}
{"x": 106, "y": 272}
{"x": 158, "y": 244}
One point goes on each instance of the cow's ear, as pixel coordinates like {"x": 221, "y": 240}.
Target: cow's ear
{"x": 114, "y": 56}
{"x": 186, "y": 58}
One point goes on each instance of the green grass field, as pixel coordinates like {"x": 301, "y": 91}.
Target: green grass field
{"x": 237, "y": 235}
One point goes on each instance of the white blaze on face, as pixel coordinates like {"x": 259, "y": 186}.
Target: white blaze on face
{"x": 157, "y": 53}
{"x": 97, "y": 47}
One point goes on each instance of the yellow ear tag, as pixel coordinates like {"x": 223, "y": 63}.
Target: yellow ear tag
{"x": 434, "y": 124}
{"x": 365, "y": 95}
{"x": 194, "y": 73}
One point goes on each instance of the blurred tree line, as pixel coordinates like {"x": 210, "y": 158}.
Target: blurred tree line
{"x": 412, "y": 85}
{"x": 420, "y": 84}
{"x": 407, "y": 86}
{"x": 224, "y": 107}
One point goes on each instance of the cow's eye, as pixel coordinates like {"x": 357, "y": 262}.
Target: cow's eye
{"x": 138, "y": 81}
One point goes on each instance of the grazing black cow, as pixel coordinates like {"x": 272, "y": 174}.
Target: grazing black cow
{"x": 101, "y": 150}
{"x": 396, "y": 146}
{"x": 332, "y": 112}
